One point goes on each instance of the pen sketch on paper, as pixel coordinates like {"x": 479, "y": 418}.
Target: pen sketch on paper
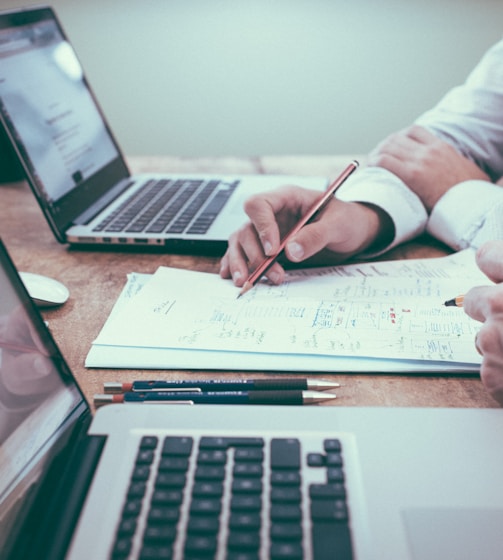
{"x": 390, "y": 310}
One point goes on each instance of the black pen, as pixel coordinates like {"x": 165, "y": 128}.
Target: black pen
{"x": 217, "y": 397}
{"x": 280, "y": 384}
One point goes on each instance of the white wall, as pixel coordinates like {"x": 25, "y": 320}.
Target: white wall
{"x": 249, "y": 77}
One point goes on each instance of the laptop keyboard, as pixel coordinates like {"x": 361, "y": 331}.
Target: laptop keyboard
{"x": 170, "y": 206}
{"x": 235, "y": 498}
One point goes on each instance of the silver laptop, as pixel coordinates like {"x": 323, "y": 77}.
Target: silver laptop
{"x": 75, "y": 167}
{"x": 235, "y": 482}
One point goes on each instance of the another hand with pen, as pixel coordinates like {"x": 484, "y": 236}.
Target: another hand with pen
{"x": 427, "y": 165}
{"x": 340, "y": 231}
{"x": 485, "y": 304}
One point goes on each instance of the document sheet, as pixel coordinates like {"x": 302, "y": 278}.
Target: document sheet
{"x": 376, "y": 316}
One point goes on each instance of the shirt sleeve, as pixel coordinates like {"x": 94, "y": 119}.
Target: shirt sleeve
{"x": 468, "y": 214}
{"x": 379, "y": 187}
{"x": 470, "y": 117}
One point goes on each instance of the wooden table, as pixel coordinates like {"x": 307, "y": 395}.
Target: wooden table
{"x": 95, "y": 279}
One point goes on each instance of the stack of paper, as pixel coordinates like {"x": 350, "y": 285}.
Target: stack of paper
{"x": 376, "y": 317}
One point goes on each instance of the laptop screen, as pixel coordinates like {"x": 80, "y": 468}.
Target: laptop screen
{"x": 52, "y": 117}
{"x": 43, "y": 93}
{"x": 38, "y": 397}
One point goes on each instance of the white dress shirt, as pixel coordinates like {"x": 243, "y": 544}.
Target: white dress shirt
{"x": 469, "y": 117}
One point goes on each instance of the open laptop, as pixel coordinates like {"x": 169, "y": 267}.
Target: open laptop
{"x": 75, "y": 167}
{"x": 210, "y": 481}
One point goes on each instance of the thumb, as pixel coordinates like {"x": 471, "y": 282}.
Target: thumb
{"x": 310, "y": 240}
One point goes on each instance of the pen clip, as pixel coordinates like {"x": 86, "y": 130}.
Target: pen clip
{"x": 166, "y": 402}
{"x": 169, "y": 390}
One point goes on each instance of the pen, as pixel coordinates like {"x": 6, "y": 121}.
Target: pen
{"x": 310, "y": 214}
{"x": 284, "y": 384}
{"x": 218, "y": 397}
{"x": 455, "y": 302}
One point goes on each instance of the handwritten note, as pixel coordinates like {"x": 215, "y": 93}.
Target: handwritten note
{"x": 386, "y": 311}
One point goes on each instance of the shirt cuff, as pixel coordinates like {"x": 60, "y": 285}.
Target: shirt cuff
{"x": 460, "y": 217}
{"x": 379, "y": 187}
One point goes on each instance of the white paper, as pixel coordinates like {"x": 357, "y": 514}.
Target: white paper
{"x": 382, "y": 316}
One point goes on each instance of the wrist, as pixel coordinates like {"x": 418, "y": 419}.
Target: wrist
{"x": 380, "y": 228}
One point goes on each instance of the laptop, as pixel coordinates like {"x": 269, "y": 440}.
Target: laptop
{"x": 74, "y": 164}
{"x": 223, "y": 481}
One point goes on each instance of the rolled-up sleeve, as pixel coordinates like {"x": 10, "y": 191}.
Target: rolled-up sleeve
{"x": 468, "y": 215}
{"x": 378, "y": 187}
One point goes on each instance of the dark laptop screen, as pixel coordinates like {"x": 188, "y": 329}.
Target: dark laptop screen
{"x": 44, "y": 98}
{"x": 38, "y": 397}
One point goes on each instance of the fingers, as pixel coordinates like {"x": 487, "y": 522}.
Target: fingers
{"x": 490, "y": 260}
{"x": 342, "y": 229}
{"x": 244, "y": 254}
{"x": 271, "y": 215}
{"x": 490, "y": 346}
{"x": 484, "y": 302}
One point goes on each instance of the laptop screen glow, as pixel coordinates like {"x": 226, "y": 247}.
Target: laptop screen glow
{"x": 36, "y": 397}
{"x": 42, "y": 90}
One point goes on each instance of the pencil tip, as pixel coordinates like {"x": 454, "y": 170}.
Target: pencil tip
{"x": 246, "y": 286}
{"x": 450, "y": 303}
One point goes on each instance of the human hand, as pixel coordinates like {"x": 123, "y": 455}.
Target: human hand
{"x": 340, "y": 231}
{"x": 427, "y": 165}
{"x": 485, "y": 304}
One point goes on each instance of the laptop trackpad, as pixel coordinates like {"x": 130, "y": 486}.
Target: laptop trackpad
{"x": 463, "y": 534}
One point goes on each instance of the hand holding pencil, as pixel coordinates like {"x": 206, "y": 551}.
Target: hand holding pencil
{"x": 333, "y": 235}
{"x": 485, "y": 304}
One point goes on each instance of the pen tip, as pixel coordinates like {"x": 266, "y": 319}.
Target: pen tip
{"x": 312, "y": 397}
{"x": 321, "y": 384}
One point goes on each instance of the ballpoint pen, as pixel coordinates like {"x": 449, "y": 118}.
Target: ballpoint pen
{"x": 217, "y": 397}
{"x": 284, "y": 384}
{"x": 310, "y": 214}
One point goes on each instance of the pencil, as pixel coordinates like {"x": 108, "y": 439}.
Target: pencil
{"x": 310, "y": 214}
{"x": 455, "y": 302}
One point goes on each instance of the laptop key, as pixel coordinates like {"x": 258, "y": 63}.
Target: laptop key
{"x": 285, "y": 454}
{"x": 331, "y": 541}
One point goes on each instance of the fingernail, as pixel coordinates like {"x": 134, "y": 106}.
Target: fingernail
{"x": 296, "y": 251}
{"x": 236, "y": 276}
{"x": 267, "y": 247}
